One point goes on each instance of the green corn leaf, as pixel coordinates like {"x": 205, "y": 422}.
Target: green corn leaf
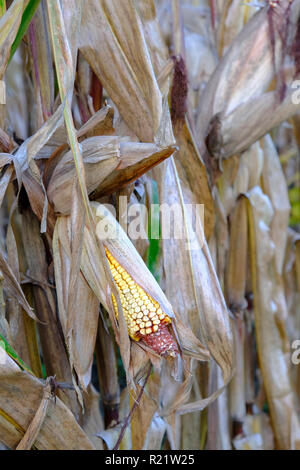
{"x": 12, "y": 353}
{"x": 2, "y": 7}
{"x": 26, "y": 19}
{"x": 153, "y": 221}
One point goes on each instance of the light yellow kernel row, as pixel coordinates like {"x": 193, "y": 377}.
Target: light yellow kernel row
{"x": 142, "y": 314}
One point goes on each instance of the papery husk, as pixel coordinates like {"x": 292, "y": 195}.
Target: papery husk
{"x": 139, "y": 209}
{"x": 43, "y": 77}
{"x": 201, "y": 60}
{"x": 191, "y": 169}
{"x": 94, "y": 277}
{"x": 269, "y": 325}
{"x": 71, "y": 13}
{"x": 107, "y": 375}
{"x": 231, "y": 22}
{"x": 155, "y": 433}
{"x": 257, "y": 434}
{"x": 199, "y": 301}
{"x": 218, "y": 419}
{"x": 30, "y": 330}
{"x": 108, "y": 163}
{"x": 236, "y": 267}
{"x": 144, "y": 413}
{"x": 234, "y": 132}
{"x": 110, "y": 436}
{"x": 157, "y": 47}
{"x": 101, "y": 155}
{"x": 20, "y": 396}
{"x": 17, "y": 107}
{"x": 274, "y": 184}
{"x": 225, "y": 93}
{"x": 291, "y": 278}
{"x": 249, "y": 358}
{"x": 29, "y": 173}
{"x": 122, "y": 63}
{"x": 135, "y": 160}
{"x": 52, "y": 343}
{"x": 123, "y": 250}
{"x": 91, "y": 421}
{"x": 250, "y": 169}
{"x": 237, "y": 389}
{"x": 81, "y": 328}
{"x": 100, "y": 123}
{"x": 34, "y": 427}
{"x": 193, "y": 424}
{"x": 65, "y": 52}
{"x": 13, "y": 434}
{"x": 222, "y": 238}
{"x": 20, "y": 338}
{"x": 13, "y": 287}
{"x": 4, "y": 326}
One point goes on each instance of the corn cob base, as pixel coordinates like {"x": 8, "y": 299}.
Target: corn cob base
{"x": 161, "y": 342}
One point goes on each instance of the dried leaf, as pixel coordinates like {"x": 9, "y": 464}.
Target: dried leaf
{"x": 20, "y": 395}
{"x": 122, "y": 63}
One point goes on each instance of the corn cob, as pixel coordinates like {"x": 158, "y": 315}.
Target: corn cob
{"x": 144, "y": 317}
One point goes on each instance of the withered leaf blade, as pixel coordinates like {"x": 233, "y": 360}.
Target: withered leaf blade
{"x": 100, "y": 154}
{"x": 80, "y": 324}
{"x": 250, "y": 51}
{"x": 14, "y": 288}
{"x": 200, "y": 300}
{"x": 122, "y": 62}
{"x": 135, "y": 160}
{"x": 234, "y": 132}
{"x": 20, "y": 395}
{"x": 270, "y": 328}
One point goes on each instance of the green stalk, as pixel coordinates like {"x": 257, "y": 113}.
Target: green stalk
{"x": 25, "y": 21}
{"x": 2, "y": 7}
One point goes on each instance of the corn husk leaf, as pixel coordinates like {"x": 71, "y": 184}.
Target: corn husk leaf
{"x": 127, "y": 76}
{"x": 225, "y": 92}
{"x": 92, "y": 421}
{"x": 135, "y": 160}
{"x": 275, "y": 187}
{"x": 191, "y": 169}
{"x": 200, "y": 300}
{"x": 155, "y": 434}
{"x": 122, "y": 248}
{"x": 81, "y": 328}
{"x": 269, "y": 326}
{"x": 43, "y": 78}
{"x": 237, "y": 258}
{"x": 101, "y": 155}
{"x": 20, "y": 397}
{"x": 235, "y": 132}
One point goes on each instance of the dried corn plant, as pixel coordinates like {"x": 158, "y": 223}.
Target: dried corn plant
{"x": 123, "y": 325}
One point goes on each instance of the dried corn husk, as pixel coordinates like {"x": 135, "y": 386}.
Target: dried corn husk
{"x": 269, "y": 326}
{"x": 21, "y": 394}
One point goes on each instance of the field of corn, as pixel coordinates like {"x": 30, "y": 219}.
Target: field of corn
{"x": 112, "y": 337}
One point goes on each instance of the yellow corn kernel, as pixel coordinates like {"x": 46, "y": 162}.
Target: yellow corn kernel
{"x": 139, "y": 308}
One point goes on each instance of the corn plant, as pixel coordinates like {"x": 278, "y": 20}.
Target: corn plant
{"x": 149, "y": 229}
